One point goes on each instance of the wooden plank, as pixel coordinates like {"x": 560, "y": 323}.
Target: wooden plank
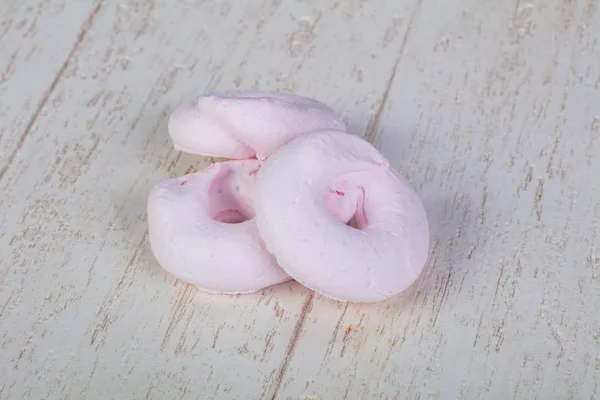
{"x": 85, "y": 311}
{"x": 494, "y": 115}
{"x": 33, "y": 57}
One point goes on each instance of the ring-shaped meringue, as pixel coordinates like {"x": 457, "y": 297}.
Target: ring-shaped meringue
{"x": 380, "y": 256}
{"x": 246, "y": 124}
{"x": 202, "y": 230}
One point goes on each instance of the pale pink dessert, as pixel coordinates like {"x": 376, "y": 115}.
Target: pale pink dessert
{"x": 324, "y": 208}
{"x": 246, "y": 124}
{"x": 308, "y": 191}
{"x": 202, "y": 230}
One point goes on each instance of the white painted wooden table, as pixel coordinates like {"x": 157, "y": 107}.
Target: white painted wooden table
{"x": 490, "y": 108}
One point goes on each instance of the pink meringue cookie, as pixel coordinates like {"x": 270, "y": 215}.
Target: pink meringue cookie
{"x": 245, "y": 124}
{"x": 309, "y": 190}
{"x": 202, "y": 230}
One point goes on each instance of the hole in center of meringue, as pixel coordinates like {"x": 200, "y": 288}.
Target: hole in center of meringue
{"x": 231, "y": 216}
{"x": 230, "y": 193}
{"x": 346, "y": 202}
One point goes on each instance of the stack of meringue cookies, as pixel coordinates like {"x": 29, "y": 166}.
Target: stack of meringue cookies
{"x": 300, "y": 198}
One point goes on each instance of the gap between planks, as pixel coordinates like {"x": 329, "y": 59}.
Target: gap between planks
{"x": 369, "y": 135}
{"x": 87, "y": 23}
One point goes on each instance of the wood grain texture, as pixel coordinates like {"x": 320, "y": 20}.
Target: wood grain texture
{"x": 33, "y": 57}
{"x": 493, "y": 114}
{"x": 491, "y": 109}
